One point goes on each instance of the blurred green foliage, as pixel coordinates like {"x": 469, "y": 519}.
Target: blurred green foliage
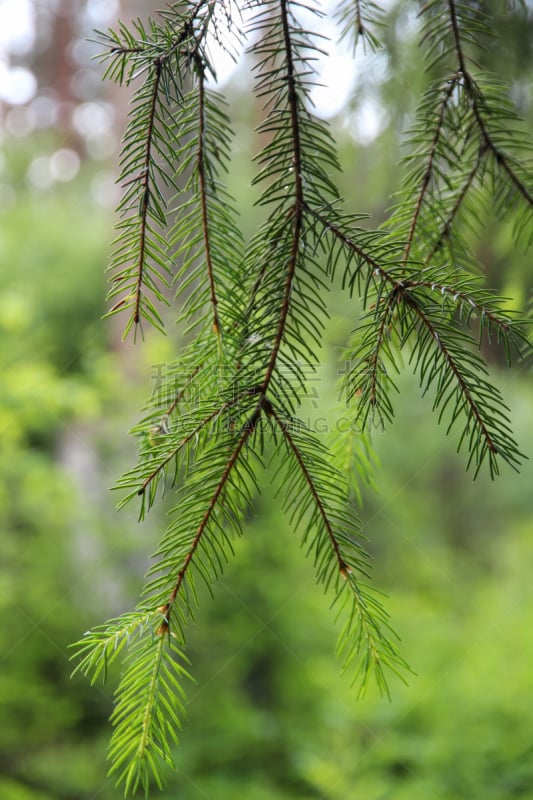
{"x": 270, "y": 718}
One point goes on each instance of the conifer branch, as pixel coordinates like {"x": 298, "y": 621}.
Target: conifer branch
{"x": 224, "y": 478}
{"x": 358, "y": 18}
{"x": 446, "y": 228}
{"x": 268, "y": 300}
{"x": 458, "y": 374}
{"x": 468, "y": 299}
{"x": 428, "y": 173}
{"x": 203, "y": 191}
{"x": 146, "y": 191}
{"x": 352, "y": 245}
{"x": 501, "y": 158}
{"x": 181, "y": 392}
{"x": 339, "y": 558}
{"x": 97, "y": 650}
{"x": 220, "y": 409}
{"x": 149, "y": 711}
{"x": 183, "y": 442}
{"x": 139, "y": 168}
{"x": 297, "y": 208}
{"x": 477, "y": 108}
{"x": 284, "y": 428}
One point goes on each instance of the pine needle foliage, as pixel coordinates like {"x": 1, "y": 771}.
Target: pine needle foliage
{"x": 255, "y": 315}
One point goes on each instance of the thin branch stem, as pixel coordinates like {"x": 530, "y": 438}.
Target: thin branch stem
{"x": 387, "y": 315}
{"x": 426, "y": 178}
{"x": 495, "y": 320}
{"x": 446, "y": 228}
{"x": 360, "y": 28}
{"x": 297, "y": 208}
{"x": 246, "y": 433}
{"x": 368, "y": 625}
{"x": 145, "y": 739}
{"x": 353, "y": 246}
{"x": 179, "y": 394}
{"x": 186, "y": 439}
{"x": 144, "y": 180}
{"x": 411, "y": 302}
{"x": 187, "y": 30}
{"x": 343, "y": 567}
{"x": 203, "y": 191}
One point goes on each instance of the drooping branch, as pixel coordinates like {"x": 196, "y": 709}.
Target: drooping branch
{"x": 183, "y": 442}
{"x": 340, "y": 561}
{"x": 220, "y": 409}
{"x": 146, "y": 191}
{"x": 428, "y": 172}
{"x": 224, "y": 478}
{"x": 357, "y": 19}
{"x": 401, "y": 285}
{"x": 477, "y": 109}
{"x": 186, "y": 31}
{"x": 468, "y": 304}
{"x": 344, "y": 569}
{"x": 461, "y": 382}
{"x": 201, "y": 167}
{"x": 352, "y": 245}
{"x": 141, "y": 188}
{"x": 270, "y": 307}
{"x": 297, "y": 207}
{"x": 459, "y": 200}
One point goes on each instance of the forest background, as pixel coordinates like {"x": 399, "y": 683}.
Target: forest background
{"x": 269, "y": 716}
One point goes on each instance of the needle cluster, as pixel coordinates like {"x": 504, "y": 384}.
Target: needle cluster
{"x": 255, "y": 315}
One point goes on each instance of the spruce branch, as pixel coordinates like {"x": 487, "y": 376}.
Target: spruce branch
{"x": 432, "y": 155}
{"x": 331, "y": 534}
{"x": 266, "y": 304}
{"x": 476, "y": 99}
{"x": 149, "y": 709}
{"x": 150, "y": 699}
{"x": 220, "y": 486}
{"x": 297, "y": 208}
{"x": 185, "y": 441}
{"x": 143, "y": 205}
{"x": 370, "y": 380}
{"x": 442, "y": 358}
{"x": 356, "y": 244}
{"x": 469, "y": 394}
{"x": 99, "y": 647}
{"x": 471, "y": 120}
{"x": 146, "y": 191}
{"x": 446, "y": 227}
{"x": 358, "y": 20}
{"x": 201, "y": 166}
